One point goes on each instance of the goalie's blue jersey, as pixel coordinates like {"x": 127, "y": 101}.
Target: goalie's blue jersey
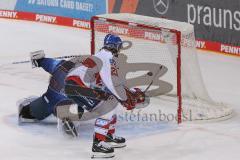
{"x": 58, "y": 69}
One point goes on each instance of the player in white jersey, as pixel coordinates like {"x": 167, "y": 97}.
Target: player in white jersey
{"x": 97, "y": 80}
{"x": 91, "y": 84}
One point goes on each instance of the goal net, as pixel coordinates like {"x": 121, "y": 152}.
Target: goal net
{"x": 154, "y": 42}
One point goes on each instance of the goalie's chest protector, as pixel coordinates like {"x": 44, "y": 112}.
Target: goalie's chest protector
{"x": 58, "y": 76}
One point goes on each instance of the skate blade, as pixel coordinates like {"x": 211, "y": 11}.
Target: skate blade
{"x": 117, "y": 145}
{"x": 102, "y": 155}
{"x": 70, "y": 135}
{"x": 71, "y": 131}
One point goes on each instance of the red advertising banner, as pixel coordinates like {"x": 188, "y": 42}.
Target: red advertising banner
{"x": 57, "y": 20}
{"x": 83, "y": 24}
{"x": 218, "y": 47}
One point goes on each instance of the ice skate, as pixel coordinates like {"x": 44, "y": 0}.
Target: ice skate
{"x": 102, "y": 149}
{"x": 115, "y": 141}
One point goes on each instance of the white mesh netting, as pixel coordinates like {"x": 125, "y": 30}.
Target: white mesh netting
{"x": 152, "y": 47}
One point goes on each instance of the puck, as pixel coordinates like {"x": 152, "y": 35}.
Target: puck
{"x": 149, "y": 73}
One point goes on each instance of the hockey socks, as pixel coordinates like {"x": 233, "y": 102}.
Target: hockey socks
{"x": 105, "y": 131}
{"x": 100, "y": 148}
{"x": 111, "y": 138}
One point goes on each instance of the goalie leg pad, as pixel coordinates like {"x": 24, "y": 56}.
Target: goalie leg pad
{"x": 39, "y": 108}
{"x": 35, "y": 107}
{"x": 69, "y": 109}
{"x": 24, "y": 114}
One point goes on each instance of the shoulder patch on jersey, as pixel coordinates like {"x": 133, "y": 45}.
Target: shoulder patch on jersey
{"x": 113, "y": 67}
{"x": 112, "y": 62}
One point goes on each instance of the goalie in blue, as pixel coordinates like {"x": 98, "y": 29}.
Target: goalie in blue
{"x": 34, "y": 109}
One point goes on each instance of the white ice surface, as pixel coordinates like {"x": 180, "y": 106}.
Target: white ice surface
{"x": 149, "y": 140}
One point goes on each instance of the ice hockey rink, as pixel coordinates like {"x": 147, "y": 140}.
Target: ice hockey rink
{"x": 151, "y": 141}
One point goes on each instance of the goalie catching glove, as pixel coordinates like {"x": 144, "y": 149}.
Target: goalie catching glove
{"x": 136, "y": 99}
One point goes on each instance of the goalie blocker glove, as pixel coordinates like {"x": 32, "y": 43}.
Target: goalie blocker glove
{"x": 35, "y": 56}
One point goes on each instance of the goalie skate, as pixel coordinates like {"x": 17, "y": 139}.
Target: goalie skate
{"x": 69, "y": 127}
{"x": 24, "y": 115}
{"x": 102, "y": 149}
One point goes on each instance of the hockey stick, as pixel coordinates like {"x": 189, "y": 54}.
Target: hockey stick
{"x": 28, "y": 61}
{"x": 74, "y": 89}
{"x": 150, "y": 84}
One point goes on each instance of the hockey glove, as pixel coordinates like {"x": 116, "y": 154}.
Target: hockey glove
{"x": 142, "y": 99}
{"x": 130, "y": 103}
{"x": 135, "y": 97}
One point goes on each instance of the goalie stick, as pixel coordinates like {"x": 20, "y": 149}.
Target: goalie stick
{"x": 28, "y": 61}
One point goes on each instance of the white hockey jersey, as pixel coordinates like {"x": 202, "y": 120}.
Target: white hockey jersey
{"x": 101, "y": 71}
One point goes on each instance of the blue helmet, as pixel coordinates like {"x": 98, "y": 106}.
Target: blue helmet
{"x": 113, "y": 42}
